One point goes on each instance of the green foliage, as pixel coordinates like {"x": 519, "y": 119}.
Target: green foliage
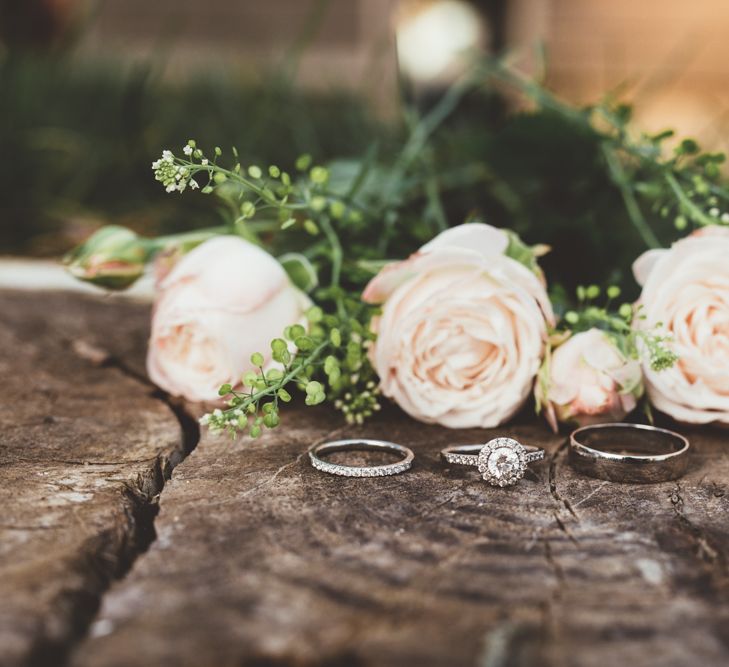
{"x": 620, "y": 324}
{"x": 318, "y": 368}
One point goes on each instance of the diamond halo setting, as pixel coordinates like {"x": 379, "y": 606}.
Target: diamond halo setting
{"x": 502, "y": 461}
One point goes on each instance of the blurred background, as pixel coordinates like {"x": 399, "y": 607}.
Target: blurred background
{"x": 91, "y": 91}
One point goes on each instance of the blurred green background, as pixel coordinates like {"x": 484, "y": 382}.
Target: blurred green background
{"x": 80, "y": 126}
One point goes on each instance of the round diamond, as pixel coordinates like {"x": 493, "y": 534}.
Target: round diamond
{"x": 502, "y": 461}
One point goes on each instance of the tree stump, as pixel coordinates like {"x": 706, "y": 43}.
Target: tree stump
{"x": 255, "y": 558}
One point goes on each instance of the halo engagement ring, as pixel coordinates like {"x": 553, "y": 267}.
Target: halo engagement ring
{"x": 501, "y": 461}
{"x": 629, "y": 452}
{"x": 325, "y": 448}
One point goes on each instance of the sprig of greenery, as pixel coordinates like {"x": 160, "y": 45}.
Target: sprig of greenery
{"x": 678, "y": 182}
{"x": 327, "y": 361}
{"x": 619, "y": 324}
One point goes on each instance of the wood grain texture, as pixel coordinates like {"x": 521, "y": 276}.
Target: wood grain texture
{"x": 84, "y": 449}
{"x": 261, "y": 560}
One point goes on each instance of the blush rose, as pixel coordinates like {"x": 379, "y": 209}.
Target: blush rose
{"x": 220, "y": 303}
{"x": 686, "y": 291}
{"x": 462, "y": 330}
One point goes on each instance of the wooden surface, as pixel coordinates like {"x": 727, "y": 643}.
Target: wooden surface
{"x": 257, "y": 559}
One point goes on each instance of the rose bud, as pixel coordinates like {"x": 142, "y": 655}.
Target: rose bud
{"x": 113, "y": 257}
{"x": 587, "y": 379}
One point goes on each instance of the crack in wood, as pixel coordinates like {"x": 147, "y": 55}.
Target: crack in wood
{"x": 558, "y": 453}
{"x": 706, "y": 550}
{"x": 142, "y": 507}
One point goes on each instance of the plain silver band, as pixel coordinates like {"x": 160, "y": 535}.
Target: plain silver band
{"x": 461, "y": 455}
{"x": 360, "y": 445}
{"x": 587, "y": 457}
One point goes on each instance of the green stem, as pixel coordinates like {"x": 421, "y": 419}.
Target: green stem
{"x": 289, "y": 377}
{"x": 631, "y": 204}
{"x": 694, "y": 211}
{"x": 336, "y": 246}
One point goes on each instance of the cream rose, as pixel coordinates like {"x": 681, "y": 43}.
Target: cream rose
{"x": 588, "y": 379}
{"x": 462, "y": 330}
{"x": 686, "y": 290}
{"x": 221, "y": 302}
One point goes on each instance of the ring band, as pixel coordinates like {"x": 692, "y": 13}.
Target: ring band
{"x": 360, "y": 445}
{"x": 501, "y": 461}
{"x": 629, "y": 452}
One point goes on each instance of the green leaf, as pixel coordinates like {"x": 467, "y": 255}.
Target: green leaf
{"x": 520, "y": 251}
{"x": 294, "y": 331}
{"x": 318, "y": 203}
{"x": 311, "y": 227}
{"x": 300, "y": 270}
{"x": 687, "y": 147}
{"x": 303, "y": 162}
{"x": 280, "y": 350}
{"x": 314, "y": 314}
{"x": 271, "y": 420}
{"x": 305, "y": 343}
{"x": 373, "y": 266}
{"x": 284, "y": 395}
{"x": 314, "y": 387}
{"x": 315, "y": 399}
{"x": 225, "y": 390}
{"x": 337, "y": 209}
{"x": 335, "y": 337}
{"x": 330, "y": 363}
{"x": 255, "y": 172}
{"x": 257, "y": 359}
{"x": 248, "y": 209}
{"x": 319, "y": 175}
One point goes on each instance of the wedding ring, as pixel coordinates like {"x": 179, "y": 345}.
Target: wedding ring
{"x": 501, "y": 461}
{"x": 361, "y": 445}
{"x": 629, "y": 452}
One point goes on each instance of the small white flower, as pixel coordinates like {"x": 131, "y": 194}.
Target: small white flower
{"x": 187, "y": 150}
{"x": 204, "y": 162}
{"x": 167, "y": 155}
{"x": 204, "y": 420}
{"x": 193, "y": 184}
{"x": 171, "y": 187}
{"x": 714, "y": 212}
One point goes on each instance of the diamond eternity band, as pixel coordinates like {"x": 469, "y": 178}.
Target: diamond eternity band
{"x": 316, "y": 452}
